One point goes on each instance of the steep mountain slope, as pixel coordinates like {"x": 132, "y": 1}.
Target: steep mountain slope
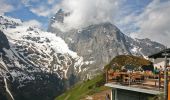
{"x": 34, "y": 62}
{"x": 143, "y": 47}
{"x": 99, "y": 43}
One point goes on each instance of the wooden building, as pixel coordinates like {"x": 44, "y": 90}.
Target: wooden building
{"x": 158, "y": 59}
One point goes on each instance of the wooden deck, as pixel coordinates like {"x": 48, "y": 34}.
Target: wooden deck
{"x": 143, "y": 80}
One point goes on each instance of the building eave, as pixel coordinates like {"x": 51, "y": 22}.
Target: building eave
{"x": 160, "y": 54}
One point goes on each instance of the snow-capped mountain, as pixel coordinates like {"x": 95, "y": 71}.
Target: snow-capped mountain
{"x": 99, "y": 43}
{"x": 32, "y": 59}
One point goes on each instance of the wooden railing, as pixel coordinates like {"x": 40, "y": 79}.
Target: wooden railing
{"x": 136, "y": 78}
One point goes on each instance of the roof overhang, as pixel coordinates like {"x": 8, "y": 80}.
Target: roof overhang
{"x": 160, "y": 54}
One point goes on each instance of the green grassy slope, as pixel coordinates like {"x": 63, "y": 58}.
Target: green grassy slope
{"x": 81, "y": 90}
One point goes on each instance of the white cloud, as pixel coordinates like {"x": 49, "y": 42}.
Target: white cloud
{"x": 82, "y": 12}
{"x": 154, "y": 22}
{"x": 151, "y": 21}
{"x": 5, "y": 7}
{"x": 44, "y": 8}
{"x": 86, "y": 12}
{"x": 28, "y": 2}
{"x": 51, "y": 1}
{"x": 34, "y": 23}
{"x": 41, "y": 11}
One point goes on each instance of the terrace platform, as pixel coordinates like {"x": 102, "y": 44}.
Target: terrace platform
{"x": 136, "y": 88}
{"x": 135, "y": 85}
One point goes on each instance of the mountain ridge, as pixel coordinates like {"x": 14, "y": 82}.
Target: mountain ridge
{"x": 99, "y": 43}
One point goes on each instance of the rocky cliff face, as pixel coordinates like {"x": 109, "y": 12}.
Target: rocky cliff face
{"x": 99, "y": 43}
{"x": 34, "y": 62}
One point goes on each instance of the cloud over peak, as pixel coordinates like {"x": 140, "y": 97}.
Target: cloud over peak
{"x": 86, "y": 12}
{"x": 137, "y": 18}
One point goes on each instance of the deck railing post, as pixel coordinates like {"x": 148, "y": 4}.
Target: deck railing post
{"x": 106, "y": 75}
{"x": 159, "y": 79}
{"x": 165, "y": 80}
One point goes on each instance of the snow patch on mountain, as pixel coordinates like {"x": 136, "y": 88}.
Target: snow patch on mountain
{"x": 33, "y": 50}
{"x": 40, "y": 39}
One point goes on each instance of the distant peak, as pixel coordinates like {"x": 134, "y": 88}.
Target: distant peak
{"x": 59, "y": 16}
{"x": 60, "y": 11}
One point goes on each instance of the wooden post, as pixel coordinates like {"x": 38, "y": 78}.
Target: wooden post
{"x": 159, "y": 79}
{"x": 129, "y": 79}
{"x": 106, "y": 75}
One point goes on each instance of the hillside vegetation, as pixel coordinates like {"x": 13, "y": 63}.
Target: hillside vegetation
{"x": 81, "y": 90}
{"x": 123, "y": 60}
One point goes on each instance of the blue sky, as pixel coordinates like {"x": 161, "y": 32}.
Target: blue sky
{"x": 25, "y": 14}
{"x": 135, "y": 18}
{"x": 22, "y": 9}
